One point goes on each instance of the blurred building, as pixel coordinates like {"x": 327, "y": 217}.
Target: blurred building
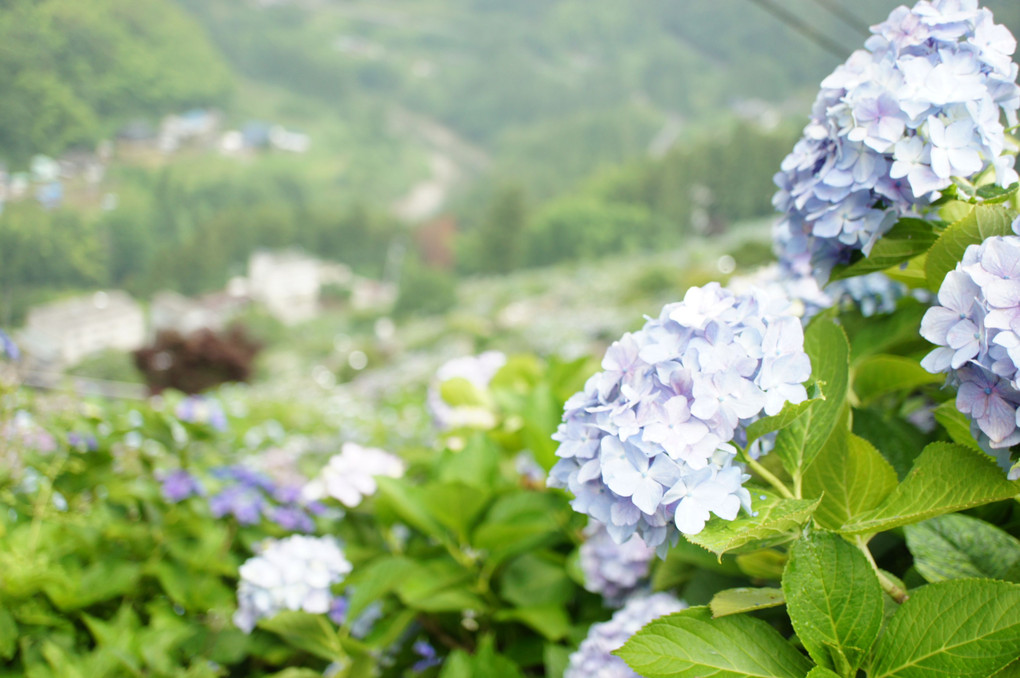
{"x": 173, "y": 311}
{"x": 66, "y": 331}
{"x": 286, "y": 283}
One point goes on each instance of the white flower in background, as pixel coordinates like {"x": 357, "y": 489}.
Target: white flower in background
{"x": 476, "y": 370}
{"x": 295, "y": 573}
{"x": 349, "y": 477}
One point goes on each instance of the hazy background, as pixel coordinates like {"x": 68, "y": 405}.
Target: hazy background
{"x": 456, "y": 157}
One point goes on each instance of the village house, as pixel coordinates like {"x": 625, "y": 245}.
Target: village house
{"x": 66, "y": 331}
{"x": 286, "y": 283}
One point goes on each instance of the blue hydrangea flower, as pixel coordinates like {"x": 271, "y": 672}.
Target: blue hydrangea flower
{"x": 178, "y": 485}
{"x": 613, "y": 570}
{"x": 976, "y": 328}
{"x": 8, "y": 348}
{"x": 245, "y": 504}
{"x": 428, "y": 655}
{"x": 594, "y": 657}
{"x": 295, "y": 573}
{"x": 922, "y": 103}
{"x": 646, "y": 447}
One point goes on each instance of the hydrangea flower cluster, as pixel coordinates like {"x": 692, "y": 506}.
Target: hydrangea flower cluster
{"x": 594, "y": 658}
{"x": 646, "y": 447}
{"x": 248, "y": 495}
{"x": 178, "y": 485}
{"x": 614, "y": 570}
{"x": 891, "y": 127}
{"x": 8, "y": 348}
{"x": 478, "y": 371}
{"x": 295, "y": 573}
{"x": 202, "y": 410}
{"x": 976, "y": 326}
{"x": 349, "y": 477}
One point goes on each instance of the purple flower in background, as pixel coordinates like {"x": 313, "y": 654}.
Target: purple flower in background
{"x": 922, "y": 103}
{"x": 292, "y": 518}
{"x": 594, "y": 656}
{"x": 197, "y": 409}
{"x": 8, "y": 348}
{"x": 427, "y": 654}
{"x": 614, "y": 570}
{"x": 178, "y": 485}
{"x": 244, "y": 503}
{"x": 645, "y": 448}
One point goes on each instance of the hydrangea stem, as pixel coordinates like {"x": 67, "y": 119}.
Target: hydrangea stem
{"x": 769, "y": 477}
{"x": 894, "y": 590}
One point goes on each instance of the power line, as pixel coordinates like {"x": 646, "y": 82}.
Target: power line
{"x": 794, "y": 22}
{"x": 848, "y": 17}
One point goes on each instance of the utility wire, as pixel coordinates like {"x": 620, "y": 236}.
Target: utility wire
{"x": 794, "y": 22}
{"x": 848, "y": 17}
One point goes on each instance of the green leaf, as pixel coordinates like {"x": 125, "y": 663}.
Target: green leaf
{"x": 965, "y": 628}
{"x": 899, "y": 441}
{"x": 485, "y": 663}
{"x": 459, "y": 392}
{"x": 956, "y": 423}
{"x": 536, "y": 577}
{"x": 690, "y": 644}
{"x": 439, "y": 585}
{"x": 786, "y": 416}
{"x": 735, "y": 601}
{"x": 8, "y": 634}
{"x": 887, "y": 333}
{"x": 906, "y": 239}
{"x": 984, "y": 221}
{"x": 308, "y": 632}
{"x": 371, "y": 581}
{"x": 777, "y": 521}
{"x": 455, "y": 505}
{"x": 878, "y": 375}
{"x": 822, "y": 672}
{"x": 851, "y": 477}
{"x": 946, "y": 478}
{"x": 834, "y": 600}
{"x": 764, "y": 564}
{"x": 957, "y": 546}
{"x": 408, "y": 502}
{"x": 798, "y": 444}
{"x": 542, "y": 415}
{"x": 550, "y": 620}
{"x": 518, "y": 523}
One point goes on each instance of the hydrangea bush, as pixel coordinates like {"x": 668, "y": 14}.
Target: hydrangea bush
{"x": 806, "y": 472}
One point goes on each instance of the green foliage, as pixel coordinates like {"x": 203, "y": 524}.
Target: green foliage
{"x": 963, "y": 628}
{"x": 834, "y": 600}
{"x": 691, "y": 643}
{"x": 957, "y": 546}
{"x": 74, "y": 71}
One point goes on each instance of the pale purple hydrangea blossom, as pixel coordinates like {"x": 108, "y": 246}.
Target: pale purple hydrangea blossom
{"x": 647, "y": 447}
{"x": 921, "y": 104}
{"x": 295, "y": 573}
{"x": 349, "y": 477}
{"x": 594, "y": 658}
{"x": 976, "y": 326}
{"x": 613, "y": 570}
